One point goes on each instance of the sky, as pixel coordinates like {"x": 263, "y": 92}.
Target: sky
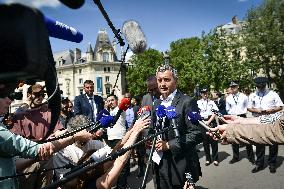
{"x": 162, "y": 21}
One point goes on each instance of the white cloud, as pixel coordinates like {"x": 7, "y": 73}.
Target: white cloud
{"x": 36, "y": 3}
{"x": 242, "y": 0}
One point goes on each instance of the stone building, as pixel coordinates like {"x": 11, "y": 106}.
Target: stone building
{"x": 99, "y": 64}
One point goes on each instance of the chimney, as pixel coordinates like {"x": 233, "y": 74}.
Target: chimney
{"x": 77, "y": 54}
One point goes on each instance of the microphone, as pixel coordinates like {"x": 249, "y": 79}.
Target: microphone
{"x": 73, "y": 4}
{"x": 134, "y": 36}
{"x": 123, "y": 106}
{"x": 144, "y": 111}
{"x": 102, "y": 113}
{"x": 195, "y": 118}
{"x": 105, "y": 121}
{"x": 59, "y": 30}
{"x": 172, "y": 115}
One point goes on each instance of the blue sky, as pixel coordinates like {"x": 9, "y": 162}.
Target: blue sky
{"x": 162, "y": 21}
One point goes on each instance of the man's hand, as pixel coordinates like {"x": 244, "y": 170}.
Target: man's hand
{"x": 83, "y": 136}
{"x": 221, "y": 129}
{"x": 162, "y": 145}
{"x": 231, "y": 119}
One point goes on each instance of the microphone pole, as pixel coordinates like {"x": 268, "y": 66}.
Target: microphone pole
{"x": 112, "y": 156}
{"x": 114, "y": 30}
{"x": 149, "y": 161}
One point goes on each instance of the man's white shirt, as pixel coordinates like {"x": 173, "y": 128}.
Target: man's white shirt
{"x": 236, "y": 104}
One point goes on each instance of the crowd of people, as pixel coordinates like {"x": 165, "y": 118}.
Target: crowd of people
{"x": 29, "y": 160}
{"x": 177, "y": 156}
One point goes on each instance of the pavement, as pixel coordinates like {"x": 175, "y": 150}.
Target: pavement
{"x": 228, "y": 176}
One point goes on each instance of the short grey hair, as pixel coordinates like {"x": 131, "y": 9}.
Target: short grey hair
{"x": 166, "y": 67}
{"x": 77, "y": 121}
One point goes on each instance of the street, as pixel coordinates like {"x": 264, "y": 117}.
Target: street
{"x": 229, "y": 176}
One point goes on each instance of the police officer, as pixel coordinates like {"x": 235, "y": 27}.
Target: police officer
{"x": 206, "y": 106}
{"x": 261, "y": 102}
{"x": 236, "y": 104}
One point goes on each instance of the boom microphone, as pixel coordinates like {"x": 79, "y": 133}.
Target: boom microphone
{"x": 172, "y": 115}
{"x": 73, "y": 4}
{"x": 195, "y": 118}
{"x": 62, "y": 31}
{"x": 134, "y": 36}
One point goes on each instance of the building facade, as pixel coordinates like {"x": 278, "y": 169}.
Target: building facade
{"x": 99, "y": 64}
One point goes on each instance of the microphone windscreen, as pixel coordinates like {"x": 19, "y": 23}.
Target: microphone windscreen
{"x": 62, "y": 31}
{"x": 142, "y": 109}
{"x": 102, "y": 113}
{"x": 161, "y": 111}
{"x": 106, "y": 121}
{"x": 194, "y": 117}
{"x": 134, "y": 36}
{"x": 124, "y": 104}
{"x": 73, "y": 4}
{"x": 171, "y": 112}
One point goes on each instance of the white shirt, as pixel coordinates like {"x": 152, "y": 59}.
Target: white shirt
{"x": 206, "y": 107}
{"x": 236, "y": 104}
{"x": 93, "y": 105}
{"x": 264, "y": 100}
{"x": 72, "y": 154}
{"x": 118, "y": 130}
{"x": 168, "y": 101}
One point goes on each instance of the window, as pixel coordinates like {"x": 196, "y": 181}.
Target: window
{"x": 107, "y": 90}
{"x": 80, "y": 71}
{"x": 105, "y": 57}
{"x": 106, "y": 69}
{"x": 59, "y": 73}
{"x": 81, "y": 91}
{"x": 107, "y": 79}
{"x": 81, "y": 81}
{"x": 99, "y": 85}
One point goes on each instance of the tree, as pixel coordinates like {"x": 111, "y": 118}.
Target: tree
{"x": 265, "y": 41}
{"x": 143, "y": 65}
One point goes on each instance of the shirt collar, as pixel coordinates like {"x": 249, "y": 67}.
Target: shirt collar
{"x": 88, "y": 97}
{"x": 169, "y": 98}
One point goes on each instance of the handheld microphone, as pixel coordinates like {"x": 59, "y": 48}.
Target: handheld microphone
{"x": 105, "y": 121}
{"x": 62, "y": 31}
{"x": 161, "y": 114}
{"x": 102, "y": 113}
{"x": 195, "y": 118}
{"x": 144, "y": 111}
{"x": 123, "y": 106}
{"x": 134, "y": 36}
{"x": 172, "y": 115}
{"x": 73, "y": 4}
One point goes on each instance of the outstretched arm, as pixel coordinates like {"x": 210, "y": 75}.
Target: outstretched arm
{"x": 107, "y": 180}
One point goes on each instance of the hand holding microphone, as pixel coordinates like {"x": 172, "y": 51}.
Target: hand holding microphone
{"x": 195, "y": 118}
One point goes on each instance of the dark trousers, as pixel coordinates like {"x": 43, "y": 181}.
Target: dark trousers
{"x": 207, "y": 141}
{"x": 260, "y": 152}
{"x": 236, "y": 151}
{"x": 236, "y": 148}
{"x": 122, "y": 179}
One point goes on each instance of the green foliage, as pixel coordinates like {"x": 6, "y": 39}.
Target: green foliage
{"x": 143, "y": 65}
{"x": 265, "y": 40}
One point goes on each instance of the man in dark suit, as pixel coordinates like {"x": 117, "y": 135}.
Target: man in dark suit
{"x": 179, "y": 155}
{"x": 153, "y": 92}
{"x": 88, "y": 104}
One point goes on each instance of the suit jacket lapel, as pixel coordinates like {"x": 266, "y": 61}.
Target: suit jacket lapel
{"x": 176, "y": 99}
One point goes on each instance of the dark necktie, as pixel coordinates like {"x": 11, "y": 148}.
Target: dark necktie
{"x": 91, "y": 103}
